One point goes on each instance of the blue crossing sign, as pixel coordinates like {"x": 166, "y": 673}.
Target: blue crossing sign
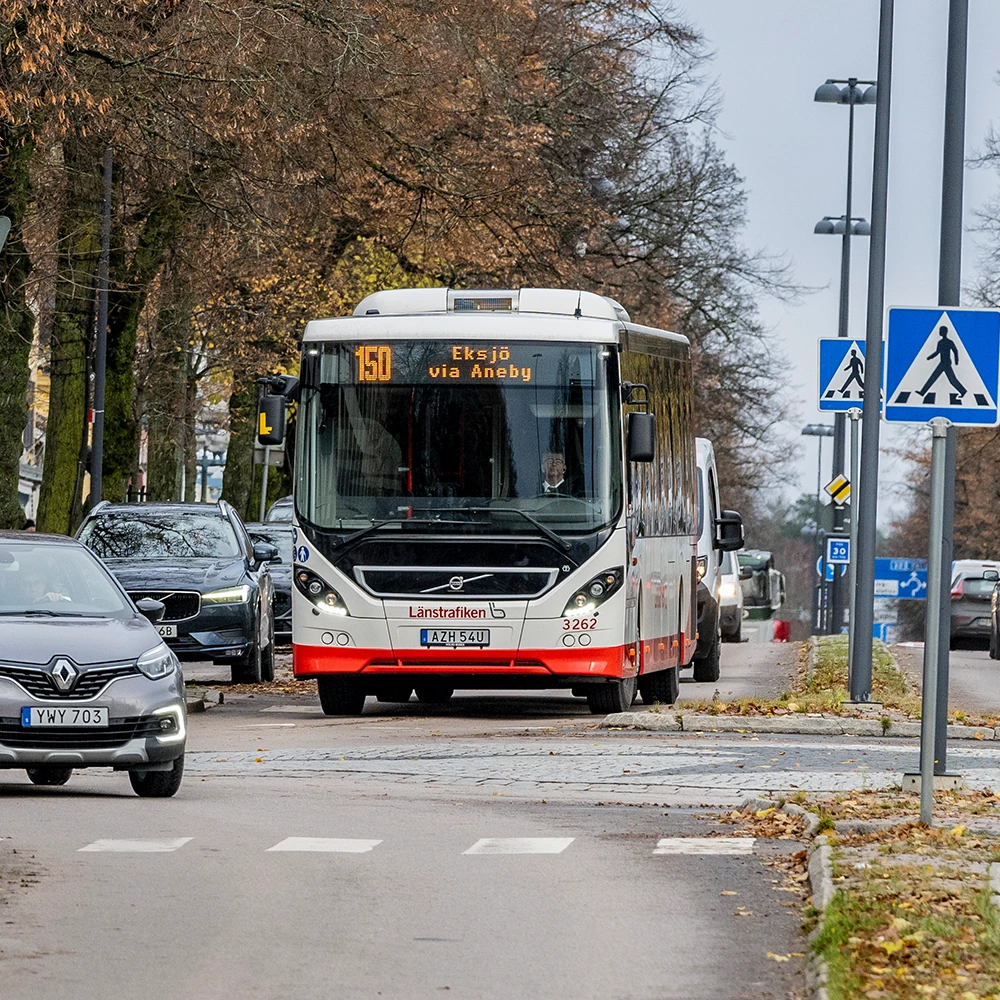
{"x": 841, "y": 373}
{"x": 838, "y": 550}
{"x": 902, "y": 578}
{"x": 943, "y": 362}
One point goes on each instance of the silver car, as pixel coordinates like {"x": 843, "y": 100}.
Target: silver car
{"x": 85, "y": 681}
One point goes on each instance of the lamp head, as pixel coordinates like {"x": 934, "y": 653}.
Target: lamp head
{"x": 829, "y": 93}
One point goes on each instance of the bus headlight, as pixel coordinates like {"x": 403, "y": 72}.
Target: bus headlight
{"x": 702, "y": 568}
{"x": 595, "y": 592}
{"x": 322, "y": 596}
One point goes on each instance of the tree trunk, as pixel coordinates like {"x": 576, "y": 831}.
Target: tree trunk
{"x": 17, "y": 322}
{"x": 76, "y": 280}
{"x": 237, "y": 482}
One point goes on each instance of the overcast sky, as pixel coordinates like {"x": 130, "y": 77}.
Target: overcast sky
{"x": 770, "y": 56}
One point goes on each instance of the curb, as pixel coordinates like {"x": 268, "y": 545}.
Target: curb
{"x": 674, "y": 722}
{"x": 202, "y": 699}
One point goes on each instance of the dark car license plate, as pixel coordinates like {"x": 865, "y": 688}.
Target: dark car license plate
{"x": 455, "y": 637}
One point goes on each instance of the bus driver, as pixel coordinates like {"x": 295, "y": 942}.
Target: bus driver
{"x": 554, "y": 478}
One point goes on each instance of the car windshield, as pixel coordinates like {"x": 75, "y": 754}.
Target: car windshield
{"x": 161, "y": 535}
{"x": 727, "y": 563}
{"x": 280, "y": 539}
{"x": 281, "y": 511}
{"x": 419, "y": 431}
{"x": 56, "y": 580}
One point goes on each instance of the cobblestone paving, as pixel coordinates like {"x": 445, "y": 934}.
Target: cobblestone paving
{"x": 635, "y": 766}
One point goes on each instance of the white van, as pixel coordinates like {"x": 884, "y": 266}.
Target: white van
{"x": 731, "y": 598}
{"x": 709, "y": 567}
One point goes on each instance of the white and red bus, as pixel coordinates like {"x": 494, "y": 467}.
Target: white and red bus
{"x": 494, "y": 489}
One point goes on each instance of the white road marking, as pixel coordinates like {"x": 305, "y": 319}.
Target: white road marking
{"x": 705, "y": 845}
{"x": 137, "y": 846}
{"x": 520, "y": 845}
{"x": 269, "y": 725}
{"x": 296, "y": 709}
{"x": 336, "y": 845}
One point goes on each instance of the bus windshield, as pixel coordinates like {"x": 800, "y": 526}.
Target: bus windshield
{"x": 418, "y": 430}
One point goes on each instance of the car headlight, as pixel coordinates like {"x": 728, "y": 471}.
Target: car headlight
{"x": 702, "y": 568}
{"x": 595, "y": 592}
{"x": 727, "y": 589}
{"x": 157, "y": 662}
{"x": 230, "y": 595}
{"x": 322, "y": 596}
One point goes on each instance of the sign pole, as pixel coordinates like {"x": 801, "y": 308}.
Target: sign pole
{"x": 263, "y": 482}
{"x": 854, "y": 415}
{"x": 928, "y": 714}
{"x": 864, "y": 596}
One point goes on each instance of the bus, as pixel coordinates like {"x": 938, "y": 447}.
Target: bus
{"x": 493, "y": 489}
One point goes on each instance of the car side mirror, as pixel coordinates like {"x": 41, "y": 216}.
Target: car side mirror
{"x": 150, "y": 609}
{"x": 746, "y": 573}
{"x": 729, "y": 531}
{"x": 641, "y": 437}
{"x": 991, "y": 575}
{"x": 263, "y": 552}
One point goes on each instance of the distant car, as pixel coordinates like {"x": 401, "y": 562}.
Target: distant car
{"x": 281, "y": 511}
{"x": 731, "y": 598}
{"x": 85, "y": 681}
{"x": 972, "y": 586}
{"x": 280, "y": 536}
{"x": 197, "y": 559}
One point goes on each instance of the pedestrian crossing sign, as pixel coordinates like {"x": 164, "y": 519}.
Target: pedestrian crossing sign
{"x": 841, "y": 373}
{"x": 943, "y": 363}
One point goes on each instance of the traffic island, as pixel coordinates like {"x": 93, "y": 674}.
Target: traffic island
{"x": 898, "y": 909}
{"x": 816, "y": 704}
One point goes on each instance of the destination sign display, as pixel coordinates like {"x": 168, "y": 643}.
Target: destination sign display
{"x": 446, "y": 361}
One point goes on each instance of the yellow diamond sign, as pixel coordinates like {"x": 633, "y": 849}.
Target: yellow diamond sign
{"x": 839, "y": 489}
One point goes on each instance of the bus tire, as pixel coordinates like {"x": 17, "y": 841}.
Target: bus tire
{"x": 340, "y": 696}
{"x": 434, "y": 694}
{"x": 662, "y": 688}
{"x": 707, "y": 668}
{"x": 604, "y": 699}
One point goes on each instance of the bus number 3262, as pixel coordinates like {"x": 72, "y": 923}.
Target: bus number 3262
{"x": 579, "y": 624}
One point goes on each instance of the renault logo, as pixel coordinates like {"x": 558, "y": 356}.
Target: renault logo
{"x": 64, "y": 674}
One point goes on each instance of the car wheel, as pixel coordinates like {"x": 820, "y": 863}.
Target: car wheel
{"x": 267, "y": 656}
{"x": 662, "y": 687}
{"x": 994, "y": 645}
{"x": 394, "y": 693}
{"x": 603, "y": 699}
{"x": 340, "y": 696}
{"x": 247, "y": 669}
{"x": 434, "y": 694}
{"x": 158, "y": 784}
{"x": 49, "y": 775}
{"x": 707, "y": 668}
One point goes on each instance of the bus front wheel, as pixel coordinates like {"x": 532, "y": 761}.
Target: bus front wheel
{"x": 340, "y": 696}
{"x": 603, "y": 699}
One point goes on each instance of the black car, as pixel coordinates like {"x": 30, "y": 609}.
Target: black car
{"x": 280, "y": 536}
{"x": 199, "y": 562}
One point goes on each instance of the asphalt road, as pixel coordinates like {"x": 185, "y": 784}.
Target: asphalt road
{"x": 501, "y": 848}
{"x": 974, "y": 679}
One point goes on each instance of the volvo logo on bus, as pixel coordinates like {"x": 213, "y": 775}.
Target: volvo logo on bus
{"x": 456, "y": 583}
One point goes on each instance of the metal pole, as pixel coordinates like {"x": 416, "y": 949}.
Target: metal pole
{"x": 839, "y": 422}
{"x": 854, "y": 414}
{"x": 817, "y": 545}
{"x": 868, "y": 486}
{"x": 101, "y": 344}
{"x": 928, "y": 712}
{"x": 950, "y": 294}
{"x": 263, "y": 483}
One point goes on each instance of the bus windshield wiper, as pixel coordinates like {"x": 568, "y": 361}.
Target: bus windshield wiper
{"x": 375, "y": 525}
{"x": 546, "y": 531}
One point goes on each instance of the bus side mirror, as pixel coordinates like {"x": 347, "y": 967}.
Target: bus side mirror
{"x": 271, "y": 420}
{"x": 729, "y": 531}
{"x": 641, "y": 437}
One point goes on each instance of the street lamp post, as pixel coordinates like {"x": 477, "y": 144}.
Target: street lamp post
{"x": 850, "y": 94}
{"x": 819, "y": 431}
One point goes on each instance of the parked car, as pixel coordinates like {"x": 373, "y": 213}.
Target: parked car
{"x": 709, "y": 566}
{"x": 972, "y": 586}
{"x": 85, "y": 680}
{"x": 198, "y": 561}
{"x": 280, "y": 536}
{"x": 281, "y": 511}
{"x": 731, "y": 598}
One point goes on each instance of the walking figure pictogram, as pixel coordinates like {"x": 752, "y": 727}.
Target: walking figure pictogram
{"x": 857, "y": 366}
{"x": 943, "y": 352}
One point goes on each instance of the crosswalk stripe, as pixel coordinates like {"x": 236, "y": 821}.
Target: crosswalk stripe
{"x": 336, "y": 845}
{"x": 137, "y": 846}
{"x": 705, "y": 845}
{"x": 520, "y": 845}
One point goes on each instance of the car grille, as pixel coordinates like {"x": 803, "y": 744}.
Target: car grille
{"x": 116, "y": 734}
{"x": 90, "y": 683}
{"x": 180, "y": 604}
